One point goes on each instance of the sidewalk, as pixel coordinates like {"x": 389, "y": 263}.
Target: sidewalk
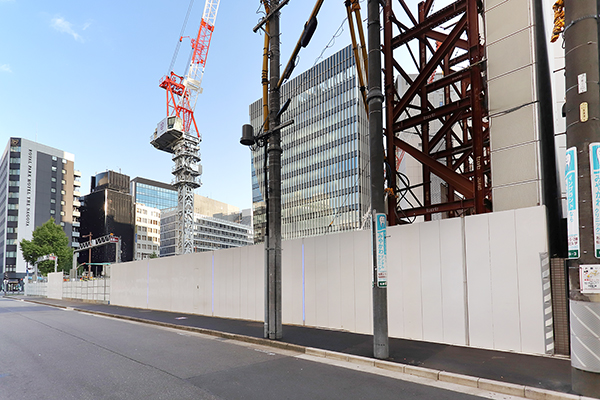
{"x": 549, "y": 373}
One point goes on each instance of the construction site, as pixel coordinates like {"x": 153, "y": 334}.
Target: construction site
{"x": 480, "y": 222}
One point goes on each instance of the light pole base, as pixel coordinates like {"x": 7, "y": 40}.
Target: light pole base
{"x": 585, "y": 383}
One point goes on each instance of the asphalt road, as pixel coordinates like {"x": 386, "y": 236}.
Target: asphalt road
{"x": 50, "y": 353}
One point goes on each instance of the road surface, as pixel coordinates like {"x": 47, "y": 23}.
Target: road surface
{"x": 51, "y": 353}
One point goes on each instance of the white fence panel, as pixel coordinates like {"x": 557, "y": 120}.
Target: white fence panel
{"x": 472, "y": 281}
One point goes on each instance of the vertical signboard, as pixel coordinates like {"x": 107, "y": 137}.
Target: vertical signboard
{"x": 380, "y": 244}
{"x": 572, "y": 202}
{"x": 595, "y": 180}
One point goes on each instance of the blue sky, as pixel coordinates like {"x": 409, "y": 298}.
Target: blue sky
{"x": 83, "y": 77}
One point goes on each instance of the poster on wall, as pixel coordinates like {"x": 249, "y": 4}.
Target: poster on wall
{"x": 572, "y": 202}
{"x": 589, "y": 278}
{"x": 595, "y": 180}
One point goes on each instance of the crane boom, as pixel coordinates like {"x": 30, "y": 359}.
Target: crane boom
{"x": 200, "y": 46}
{"x": 182, "y": 92}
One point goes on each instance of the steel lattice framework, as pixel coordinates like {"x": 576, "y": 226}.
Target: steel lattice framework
{"x": 178, "y": 133}
{"x": 447, "y": 51}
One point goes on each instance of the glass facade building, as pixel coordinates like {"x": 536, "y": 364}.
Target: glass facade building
{"x": 153, "y": 193}
{"x": 325, "y": 172}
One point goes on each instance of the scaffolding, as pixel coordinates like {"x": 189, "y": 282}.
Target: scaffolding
{"x": 445, "y": 54}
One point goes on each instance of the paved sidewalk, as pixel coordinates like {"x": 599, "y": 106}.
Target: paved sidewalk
{"x": 550, "y": 373}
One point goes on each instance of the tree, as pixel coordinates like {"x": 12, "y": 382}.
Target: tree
{"x": 153, "y": 255}
{"x": 48, "y": 238}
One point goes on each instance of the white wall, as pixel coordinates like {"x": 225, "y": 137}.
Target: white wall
{"x": 55, "y": 281}
{"x": 474, "y": 281}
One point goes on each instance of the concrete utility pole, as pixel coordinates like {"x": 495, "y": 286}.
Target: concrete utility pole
{"x": 375, "y": 100}
{"x": 273, "y": 326}
{"x": 583, "y": 191}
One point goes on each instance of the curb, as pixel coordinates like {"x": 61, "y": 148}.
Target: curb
{"x": 427, "y": 373}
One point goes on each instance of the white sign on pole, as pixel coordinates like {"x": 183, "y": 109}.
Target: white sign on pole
{"x": 582, "y": 83}
{"x": 572, "y": 203}
{"x": 589, "y": 278}
{"x": 595, "y": 180}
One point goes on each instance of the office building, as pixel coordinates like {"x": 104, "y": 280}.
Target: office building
{"x": 153, "y": 193}
{"x": 150, "y": 197}
{"x": 108, "y": 209}
{"x": 147, "y": 232}
{"x": 37, "y": 182}
{"x": 217, "y": 225}
{"x": 325, "y": 175}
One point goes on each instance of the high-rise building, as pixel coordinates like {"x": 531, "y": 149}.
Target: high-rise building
{"x": 153, "y": 193}
{"x": 37, "y": 182}
{"x": 150, "y": 197}
{"x": 108, "y": 209}
{"x": 325, "y": 175}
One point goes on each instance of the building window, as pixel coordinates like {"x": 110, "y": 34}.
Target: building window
{"x": 62, "y": 213}
{"x": 52, "y": 201}
{"x": 13, "y": 206}
{"x": 53, "y": 169}
{"x": 53, "y": 179}
{"x": 64, "y": 161}
{"x": 53, "y": 190}
{"x": 62, "y": 203}
{"x": 13, "y": 195}
{"x": 54, "y": 158}
{"x": 63, "y": 192}
{"x": 13, "y": 183}
{"x": 64, "y": 172}
{"x": 52, "y": 212}
{"x": 13, "y": 172}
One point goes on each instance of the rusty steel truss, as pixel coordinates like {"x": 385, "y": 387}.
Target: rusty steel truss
{"x": 439, "y": 52}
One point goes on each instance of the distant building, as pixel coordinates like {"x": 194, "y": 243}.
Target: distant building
{"x": 108, "y": 209}
{"x": 217, "y": 225}
{"x": 36, "y": 182}
{"x": 324, "y": 175}
{"x": 150, "y": 197}
{"x": 147, "y": 232}
{"x": 153, "y": 193}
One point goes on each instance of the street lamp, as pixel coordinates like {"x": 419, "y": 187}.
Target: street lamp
{"x": 273, "y": 225}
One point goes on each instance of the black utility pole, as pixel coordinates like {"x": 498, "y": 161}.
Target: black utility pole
{"x": 583, "y": 132}
{"x": 375, "y": 101}
{"x": 273, "y": 326}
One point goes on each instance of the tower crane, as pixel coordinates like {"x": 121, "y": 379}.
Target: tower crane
{"x": 178, "y": 133}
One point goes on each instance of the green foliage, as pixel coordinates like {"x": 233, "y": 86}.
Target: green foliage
{"x": 48, "y": 238}
{"x": 153, "y": 255}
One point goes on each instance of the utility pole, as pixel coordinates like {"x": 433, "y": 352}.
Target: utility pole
{"x": 375, "y": 101}
{"x": 273, "y": 326}
{"x": 583, "y": 191}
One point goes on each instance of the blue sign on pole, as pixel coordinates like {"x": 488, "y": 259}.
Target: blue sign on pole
{"x": 381, "y": 249}
{"x": 595, "y": 180}
{"x": 572, "y": 203}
